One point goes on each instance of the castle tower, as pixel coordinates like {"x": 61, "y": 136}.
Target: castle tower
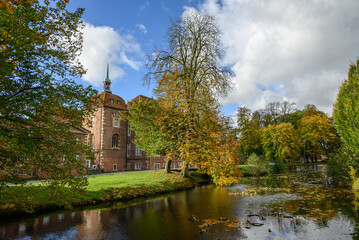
{"x": 107, "y": 82}
{"x": 108, "y": 136}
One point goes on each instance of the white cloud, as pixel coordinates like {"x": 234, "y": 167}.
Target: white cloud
{"x": 144, "y": 6}
{"x": 104, "y": 45}
{"x": 295, "y": 50}
{"x": 142, "y": 28}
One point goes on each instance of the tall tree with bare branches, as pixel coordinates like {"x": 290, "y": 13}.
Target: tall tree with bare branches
{"x": 189, "y": 79}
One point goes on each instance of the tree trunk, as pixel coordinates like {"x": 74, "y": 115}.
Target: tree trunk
{"x": 184, "y": 171}
{"x": 168, "y": 166}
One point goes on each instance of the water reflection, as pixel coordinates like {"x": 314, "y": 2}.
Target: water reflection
{"x": 294, "y": 215}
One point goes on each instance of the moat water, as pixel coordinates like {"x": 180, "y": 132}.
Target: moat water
{"x": 297, "y": 205}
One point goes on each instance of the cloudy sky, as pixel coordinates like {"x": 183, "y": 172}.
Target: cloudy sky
{"x": 277, "y": 49}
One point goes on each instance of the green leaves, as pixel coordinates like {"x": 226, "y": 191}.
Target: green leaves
{"x": 346, "y": 109}
{"x": 39, "y": 45}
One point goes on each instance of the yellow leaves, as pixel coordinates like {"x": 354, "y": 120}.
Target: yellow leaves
{"x": 315, "y": 129}
{"x": 231, "y": 223}
{"x": 280, "y": 141}
{"x": 247, "y": 192}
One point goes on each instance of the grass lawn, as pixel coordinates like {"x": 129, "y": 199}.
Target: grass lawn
{"x": 32, "y": 198}
{"x": 132, "y": 180}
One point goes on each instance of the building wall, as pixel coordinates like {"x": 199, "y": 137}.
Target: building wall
{"x": 95, "y": 131}
{"x": 120, "y": 158}
{"x": 113, "y": 155}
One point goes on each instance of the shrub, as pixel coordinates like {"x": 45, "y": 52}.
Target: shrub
{"x": 244, "y": 170}
{"x": 257, "y": 165}
{"x": 340, "y": 163}
{"x": 279, "y": 166}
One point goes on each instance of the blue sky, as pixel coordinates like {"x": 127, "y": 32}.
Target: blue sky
{"x": 143, "y": 23}
{"x": 277, "y": 49}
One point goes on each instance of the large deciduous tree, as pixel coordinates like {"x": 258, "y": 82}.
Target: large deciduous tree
{"x": 189, "y": 78}
{"x": 281, "y": 142}
{"x": 39, "y": 46}
{"x": 316, "y": 131}
{"x": 249, "y": 131}
{"x": 146, "y": 119}
{"x": 346, "y": 109}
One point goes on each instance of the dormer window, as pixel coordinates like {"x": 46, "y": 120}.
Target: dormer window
{"x": 118, "y": 102}
{"x": 111, "y": 101}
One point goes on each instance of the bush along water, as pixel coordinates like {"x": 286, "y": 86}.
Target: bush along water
{"x": 257, "y": 165}
{"x": 279, "y": 166}
{"x": 342, "y": 166}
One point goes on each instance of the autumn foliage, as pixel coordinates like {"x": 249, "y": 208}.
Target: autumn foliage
{"x": 188, "y": 124}
{"x": 280, "y": 131}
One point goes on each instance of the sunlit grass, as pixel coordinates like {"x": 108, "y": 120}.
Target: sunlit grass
{"x": 132, "y": 179}
{"x": 106, "y": 188}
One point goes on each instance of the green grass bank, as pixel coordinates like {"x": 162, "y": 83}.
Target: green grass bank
{"x": 33, "y": 198}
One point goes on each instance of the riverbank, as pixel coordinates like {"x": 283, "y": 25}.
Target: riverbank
{"x": 35, "y": 198}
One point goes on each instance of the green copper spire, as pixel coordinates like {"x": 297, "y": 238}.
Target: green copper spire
{"x": 107, "y": 79}
{"x": 107, "y": 82}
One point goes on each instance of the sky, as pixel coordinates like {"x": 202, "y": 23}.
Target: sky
{"x": 299, "y": 51}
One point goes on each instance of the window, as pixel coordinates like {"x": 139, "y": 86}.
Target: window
{"x": 138, "y": 151}
{"x": 157, "y": 166}
{"x": 115, "y": 167}
{"x": 128, "y": 150}
{"x": 115, "y": 141}
{"x": 116, "y": 122}
{"x": 92, "y": 140}
{"x": 92, "y": 122}
{"x": 88, "y": 163}
{"x": 138, "y": 166}
{"x": 111, "y": 101}
{"x": 78, "y": 140}
{"x": 118, "y": 102}
{"x": 129, "y": 130}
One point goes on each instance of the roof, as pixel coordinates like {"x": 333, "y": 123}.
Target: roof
{"x": 139, "y": 97}
{"x": 79, "y": 130}
{"x": 117, "y": 102}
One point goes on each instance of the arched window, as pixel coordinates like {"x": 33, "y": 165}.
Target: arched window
{"x": 115, "y": 141}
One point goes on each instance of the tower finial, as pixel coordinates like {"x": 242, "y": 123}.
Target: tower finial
{"x": 107, "y": 82}
{"x": 107, "y": 77}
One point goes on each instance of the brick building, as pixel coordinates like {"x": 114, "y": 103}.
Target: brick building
{"x": 113, "y": 140}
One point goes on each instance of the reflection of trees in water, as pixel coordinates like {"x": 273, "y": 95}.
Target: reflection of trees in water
{"x": 167, "y": 217}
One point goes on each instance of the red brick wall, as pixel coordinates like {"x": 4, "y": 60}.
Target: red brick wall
{"x": 106, "y": 156}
